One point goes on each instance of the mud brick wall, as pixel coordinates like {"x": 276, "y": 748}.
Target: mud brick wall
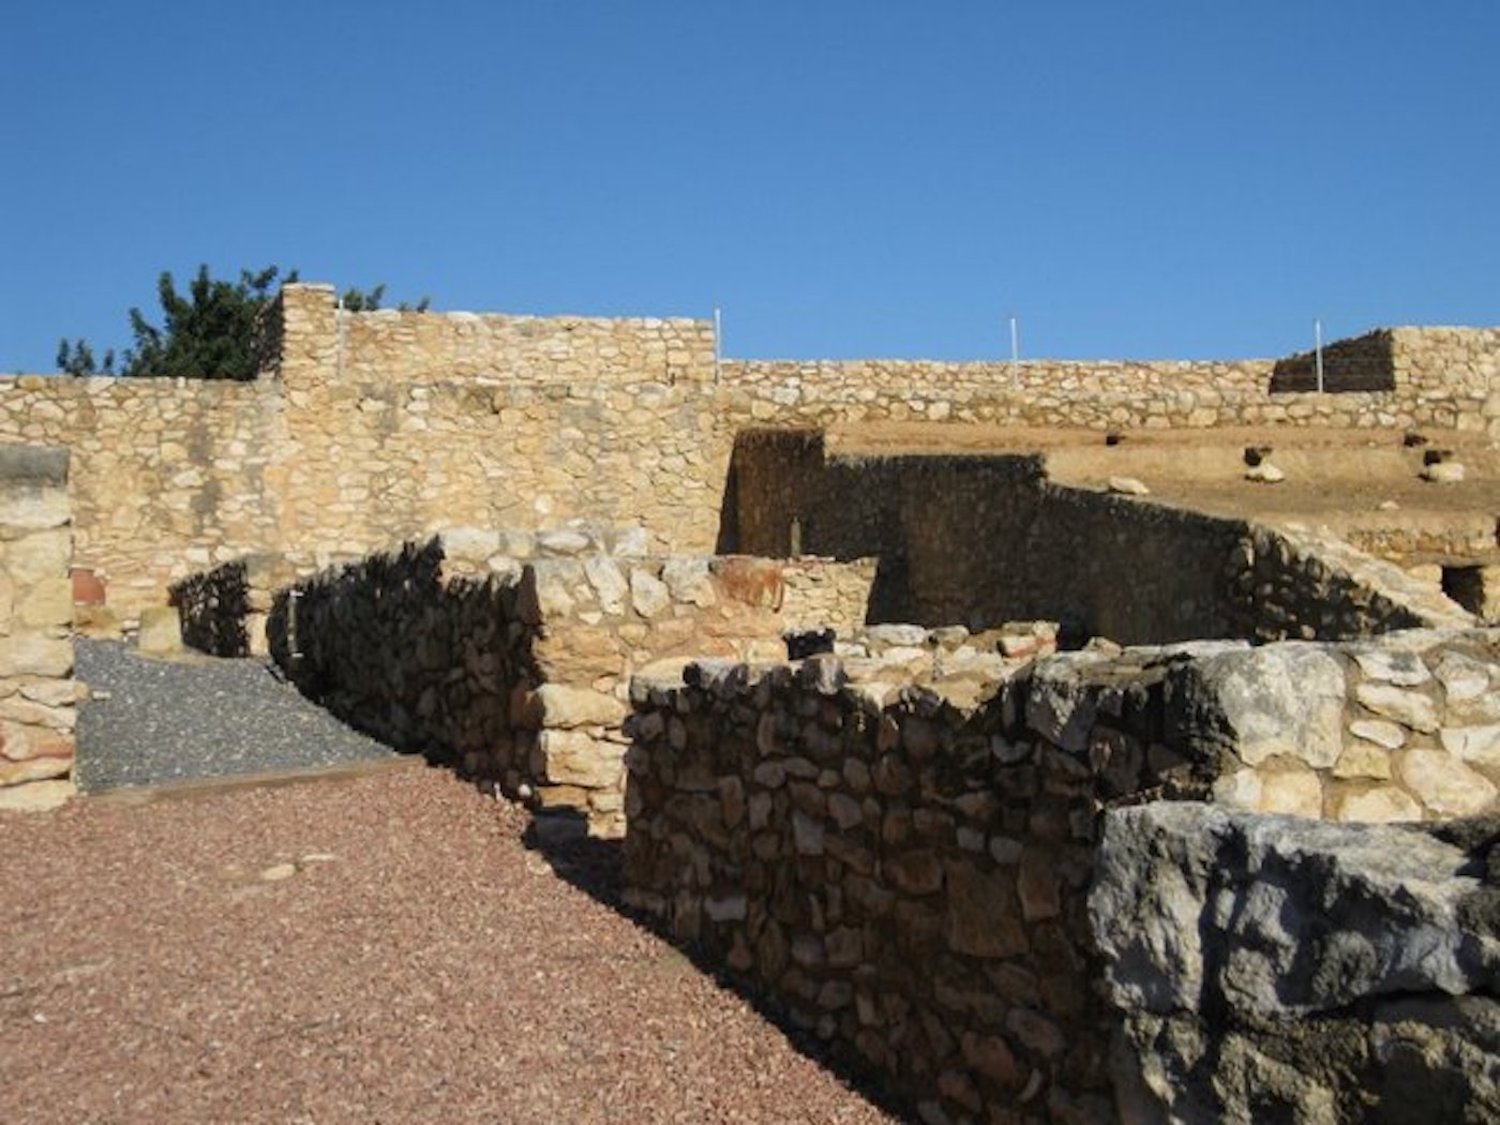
{"x": 37, "y": 690}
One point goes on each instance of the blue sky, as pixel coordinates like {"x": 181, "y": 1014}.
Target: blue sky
{"x": 1150, "y": 179}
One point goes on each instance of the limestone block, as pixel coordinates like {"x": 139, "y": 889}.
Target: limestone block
{"x": 1408, "y": 708}
{"x": 609, "y": 584}
{"x": 32, "y": 655}
{"x": 563, "y": 706}
{"x": 1479, "y": 746}
{"x": 648, "y": 593}
{"x": 1444, "y": 472}
{"x": 631, "y": 542}
{"x": 161, "y": 631}
{"x": 1182, "y": 915}
{"x": 36, "y": 796}
{"x": 1284, "y": 699}
{"x": 1444, "y": 784}
{"x": 47, "y": 604}
{"x": 1380, "y": 732}
{"x": 1463, "y": 678}
{"x": 574, "y": 758}
{"x": 474, "y": 544}
{"x": 1383, "y": 805}
{"x": 26, "y": 507}
{"x": 1060, "y": 700}
{"x": 564, "y": 542}
{"x": 1392, "y": 666}
{"x": 38, "y": 556}
{"x": 1363, "y": 760}
{"x": 688, "y": 581}
{"x": 1128, "y": 486}
{"x": 1291, "y": 792}
{"x": 33, "y": 769}
{"x": 1265, "y": 473}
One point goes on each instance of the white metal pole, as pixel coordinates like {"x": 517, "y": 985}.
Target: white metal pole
{"x": 1015, "y": 351}
{"x": 718, "y": 344}
{"x": 1318, "y": 350}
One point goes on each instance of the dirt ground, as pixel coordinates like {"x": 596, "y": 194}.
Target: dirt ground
{"x": 383, "y": 949}
{"x": 1347, "y": 480}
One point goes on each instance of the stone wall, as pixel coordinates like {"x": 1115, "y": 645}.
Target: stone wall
{"x": 37, "y": 689}
{"x": 490, "y": 348}
{"x": 979, "y": 541}
{"x": 377, "y": 427}
{"x": 904, "y": 870}
{"x": 517, "y": 671}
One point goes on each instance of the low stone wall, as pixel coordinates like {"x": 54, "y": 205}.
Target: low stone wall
{"x": 904, "y": 869}
{"x": 517, "y": 672}
{"x": 979, "y": 541}
{"x": 37, "y": 690}
{"x": 224, "y": 611}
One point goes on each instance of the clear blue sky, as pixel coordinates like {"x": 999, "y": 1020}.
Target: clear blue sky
{"x": 1151, "y": 179}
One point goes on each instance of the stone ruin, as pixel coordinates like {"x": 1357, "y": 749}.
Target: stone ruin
{"x": 1038, "y": 801}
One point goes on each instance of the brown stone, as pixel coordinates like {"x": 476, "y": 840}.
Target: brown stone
{"x": 984, "y": 916}
{"x": 1036, "y": 883}
{"x": 992, "y": 1057}
{"x": 915, "y": 872}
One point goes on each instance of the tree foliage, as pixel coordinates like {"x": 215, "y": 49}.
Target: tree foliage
{"x": 216, "y": 330}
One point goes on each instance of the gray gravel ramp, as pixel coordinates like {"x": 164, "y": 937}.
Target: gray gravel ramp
{"x": 154, "y": 721}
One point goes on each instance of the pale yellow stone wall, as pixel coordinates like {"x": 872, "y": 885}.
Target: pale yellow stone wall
{"x": 376, "y": 427}
{"x": 37, "y": 690}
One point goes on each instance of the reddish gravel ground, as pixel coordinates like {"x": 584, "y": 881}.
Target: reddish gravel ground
{"x": 414, "y": 962}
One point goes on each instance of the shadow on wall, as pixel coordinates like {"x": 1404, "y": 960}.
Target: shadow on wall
{"x": 982, "y": 540}
{"x": 924, "y": 518}
{"x": 1365, "y": 363}
{"x": 423, "y": 663}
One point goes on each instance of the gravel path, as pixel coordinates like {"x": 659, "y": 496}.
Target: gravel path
{"x": 155, "y": 721}
{"x": 384, "y": 949}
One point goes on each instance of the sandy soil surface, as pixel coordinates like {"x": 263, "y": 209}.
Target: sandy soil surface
{"x": 385, "y": 949}
{"x": 1345, "y": 479}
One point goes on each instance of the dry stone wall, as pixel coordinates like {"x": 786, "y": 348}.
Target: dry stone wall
{"x": 375, "y": 427}
{"x": 904, "y": 868}
{"x": 517, "y": 671}
{"x": 37, "y": 689}
{"x": 979, "y": 541}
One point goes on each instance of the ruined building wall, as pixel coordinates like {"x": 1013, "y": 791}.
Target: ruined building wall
{"x": 37, "y": 690}
{"x": 380, "y": 426}
{"x": 979, "y": 541}
{"x": 908, "y": 876}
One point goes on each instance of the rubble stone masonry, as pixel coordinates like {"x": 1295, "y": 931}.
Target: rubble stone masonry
{"x": 37, "y": 690}
{"x": 379, "y": 427}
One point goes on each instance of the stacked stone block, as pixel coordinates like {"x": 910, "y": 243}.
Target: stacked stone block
{"x": 376, "y": 427}
{"x": 903, "y": 869}
{"x": 37, "y": 690}
{"x": 516, "y": 671}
